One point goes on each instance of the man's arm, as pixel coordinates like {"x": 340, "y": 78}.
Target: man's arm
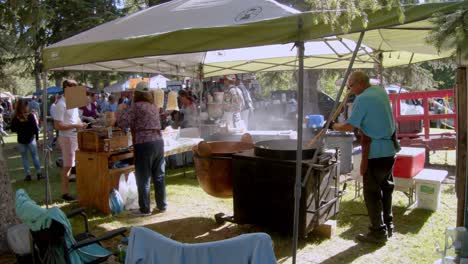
{"x": 59, "y": 125}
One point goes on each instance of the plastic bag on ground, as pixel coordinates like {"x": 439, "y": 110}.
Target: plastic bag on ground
{"x": 123, "y": 187}
{"x": 18, "y": 239}
{"x": 116, "y": 203}
{"x": 132, "y": 193}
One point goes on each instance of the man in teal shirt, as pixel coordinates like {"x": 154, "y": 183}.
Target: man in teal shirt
{"x": 372, "y": 115}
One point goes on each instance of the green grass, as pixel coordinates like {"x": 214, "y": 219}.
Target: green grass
{"x": 190, "y": 219}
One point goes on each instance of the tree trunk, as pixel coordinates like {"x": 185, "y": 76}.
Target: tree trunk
{"x": 96, "y": 82}
{"x": 106, "y": 83}
{"x": 7, "y": 206}
{"x": 311, "y": 84}
{"x": 58, "y": 81}
{"x": 37, "y": 70}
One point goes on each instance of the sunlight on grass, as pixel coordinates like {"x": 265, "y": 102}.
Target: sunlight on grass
{"x": 190, "y": 219}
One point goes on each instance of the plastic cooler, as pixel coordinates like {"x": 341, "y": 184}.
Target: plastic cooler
{"x": 409, "y": 162}
{"x": 315, "y": 121}
{"x": 428, "y": 184}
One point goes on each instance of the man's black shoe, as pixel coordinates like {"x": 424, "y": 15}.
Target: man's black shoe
{"x": 373, "y": 237}
{"x": 390, "y": 228}
{"x": 39, "y": 176}
{"x": 27, "y": 178}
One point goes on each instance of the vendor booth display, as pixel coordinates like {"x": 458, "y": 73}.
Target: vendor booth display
{"x": 107, "y": 153}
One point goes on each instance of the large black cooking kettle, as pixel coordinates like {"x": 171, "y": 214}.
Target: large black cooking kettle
{"x": 283, "y": 149}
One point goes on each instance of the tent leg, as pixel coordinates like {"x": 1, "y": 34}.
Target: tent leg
{"x": 45, "y": 147}
{"x": 300, "y": 114}
{"x": 200, "y": 96}
{"x": 298, "y": 184}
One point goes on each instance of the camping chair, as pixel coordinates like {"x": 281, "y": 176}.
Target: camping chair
{"x": 52, "y": 237}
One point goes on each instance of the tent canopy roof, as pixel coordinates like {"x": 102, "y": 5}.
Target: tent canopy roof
{"x": 146, "y": 42}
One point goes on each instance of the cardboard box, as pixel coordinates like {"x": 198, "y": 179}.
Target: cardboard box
{"x": 76, "y": 97}
{"x": 102, "y": 140}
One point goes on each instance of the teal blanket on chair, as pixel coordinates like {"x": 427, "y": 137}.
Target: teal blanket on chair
{"x": 37, "y": 218}
{"x": 148, "y": 247}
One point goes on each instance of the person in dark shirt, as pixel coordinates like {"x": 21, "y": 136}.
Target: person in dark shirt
{"x": 25, "y": 125}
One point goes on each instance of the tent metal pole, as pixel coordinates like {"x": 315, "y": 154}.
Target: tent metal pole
{"x": 200, "y": 96}
{"x": 45, "y": 147}
{"x": 298, "y": 184}
{"x": 380, "y": 69}
{"x": 300, "y": 117}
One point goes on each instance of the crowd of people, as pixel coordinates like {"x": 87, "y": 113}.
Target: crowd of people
{"x": 238, "y": 103}
{"x": 136, "y": 112}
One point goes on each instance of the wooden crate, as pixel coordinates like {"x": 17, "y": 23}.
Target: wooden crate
{"x": 100, "y": 140}
{"x": 114, "y": 143}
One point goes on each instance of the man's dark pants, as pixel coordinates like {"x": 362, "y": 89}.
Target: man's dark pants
{"x": 378, "y": 189}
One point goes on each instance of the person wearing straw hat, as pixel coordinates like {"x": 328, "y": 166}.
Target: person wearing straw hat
{"x": 142, "y": 117}
{"x": 372, "y": 115}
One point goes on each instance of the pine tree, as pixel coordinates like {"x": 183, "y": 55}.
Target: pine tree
{"x": 451, "y": 31}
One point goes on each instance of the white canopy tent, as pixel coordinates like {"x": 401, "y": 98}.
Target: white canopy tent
{"x": 147, "y": 41}
{"x": 171, "y": 39}
{"x": 158, "y": 81}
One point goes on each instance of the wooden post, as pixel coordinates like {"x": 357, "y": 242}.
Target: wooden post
{"x": 462, "y": 120}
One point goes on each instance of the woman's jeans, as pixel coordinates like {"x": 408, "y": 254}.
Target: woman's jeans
{"x": 149, "y": 163}
{"x": 32, "y": 148}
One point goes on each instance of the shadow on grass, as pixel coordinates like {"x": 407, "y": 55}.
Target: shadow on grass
{"x": 412, "y": 222}
{"x": 184, "y": 230}
{"x": 354, "y": 214}
{"x": 196, "y": 229}
{"x": 205, "y": 229}
{"x": 181, "y": 181}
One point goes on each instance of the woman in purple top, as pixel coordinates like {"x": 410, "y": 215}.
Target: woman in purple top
{"x": 143, "y": 119}
{"x": 89, "y": 112}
